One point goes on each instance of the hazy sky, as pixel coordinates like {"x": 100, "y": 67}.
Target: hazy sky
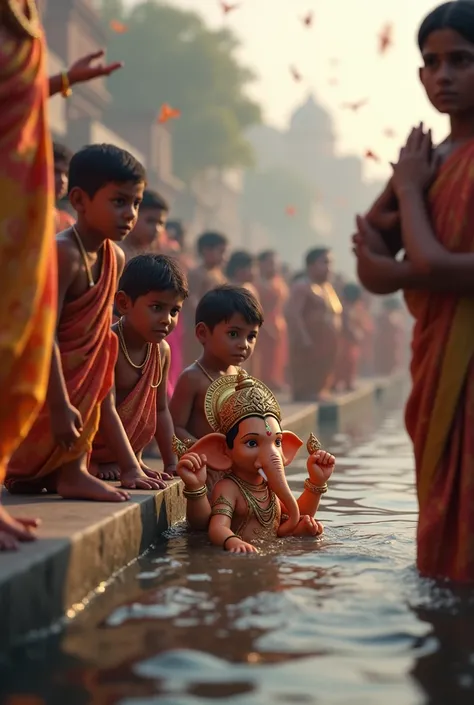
{"x": 273, "y": 38}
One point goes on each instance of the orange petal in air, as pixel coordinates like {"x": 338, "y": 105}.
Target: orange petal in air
{"x": 371, "y": 155}
{"x": 227, "y": 7}
{"x": 118, "y": 27}
{"x": 385, "y": 38}
{"x": 168, "y": 113}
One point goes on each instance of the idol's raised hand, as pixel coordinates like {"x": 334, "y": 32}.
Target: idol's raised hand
{"x": 192, "y": 470}
{"x": 320, "y": 466}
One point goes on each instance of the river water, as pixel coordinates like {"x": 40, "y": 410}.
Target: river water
{"x": 341, "y": 621}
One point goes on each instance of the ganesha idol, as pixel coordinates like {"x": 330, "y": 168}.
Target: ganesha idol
{"x": 253, "y": 500}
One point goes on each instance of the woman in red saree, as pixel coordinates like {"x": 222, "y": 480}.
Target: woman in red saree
{"x": 27, "y": 251}
{"x": 434, "y": 192}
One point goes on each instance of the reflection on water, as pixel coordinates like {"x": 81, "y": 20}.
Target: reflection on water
{"x": 345, "y": 620}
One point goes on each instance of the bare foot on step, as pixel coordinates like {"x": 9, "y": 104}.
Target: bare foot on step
{"x": 12, "y": 531}
{"x": 75, "y": 482}
{"x": 135, "y": 479}
{"x": 106, "y": 471}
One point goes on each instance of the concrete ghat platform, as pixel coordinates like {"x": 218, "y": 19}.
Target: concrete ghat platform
{"x": 83, "y": 544}
{"x": 342, "y": 409}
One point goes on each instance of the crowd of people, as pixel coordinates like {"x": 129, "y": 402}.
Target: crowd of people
{"x": 321, "y": 331}
{"x": 87, "y": 378}
{"x": 119, "y": 329}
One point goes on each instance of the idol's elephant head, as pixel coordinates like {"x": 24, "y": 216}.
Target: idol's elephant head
{"x": 252, "y": 446}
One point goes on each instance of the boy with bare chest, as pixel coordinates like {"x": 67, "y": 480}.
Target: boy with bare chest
{"x": 228, "y": 320}
{"x": 149, "y": 300}
{"x": 105, "y": 189}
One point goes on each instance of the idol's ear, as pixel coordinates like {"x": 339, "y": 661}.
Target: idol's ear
{"x": 214, "y": 447}
{"x": 290, "y": 445}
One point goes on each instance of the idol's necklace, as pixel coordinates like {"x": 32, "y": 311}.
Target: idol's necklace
{"x": 265, "y": 517}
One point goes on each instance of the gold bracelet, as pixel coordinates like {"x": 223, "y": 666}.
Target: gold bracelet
{"x": 232, "y": 536}
{"x": 308, "y": 485}
{"x": 66, "y": 90}
{"x": 195, "y": 494}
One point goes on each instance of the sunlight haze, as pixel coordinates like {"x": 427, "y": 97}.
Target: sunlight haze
{"x": 273, "y": 37}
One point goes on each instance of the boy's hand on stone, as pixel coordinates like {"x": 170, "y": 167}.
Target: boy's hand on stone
{"x": 135, "y": 479}
{"x": 154, "y": 475}
{"x": 169, "y": 472}
{"x": 66, "y": 425}
{"x": 192, "y": 470}
{"x": 320, "y": 466}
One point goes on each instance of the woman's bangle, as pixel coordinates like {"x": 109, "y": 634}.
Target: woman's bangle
{"x": 195, "y": 494}
{"x": 315, "y": 489}
{"x": 66, "y": 90}
{"x": 232, "y": 536}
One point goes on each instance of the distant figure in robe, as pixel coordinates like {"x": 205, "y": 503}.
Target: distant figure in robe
{"x": 211, "y": 249}
{"x": 352, "y": 334}
{"x": 314, "y": 318}
{"x": 273, "y": 339}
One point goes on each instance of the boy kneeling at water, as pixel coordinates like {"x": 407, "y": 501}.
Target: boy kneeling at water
{"x": 149, "y": 300}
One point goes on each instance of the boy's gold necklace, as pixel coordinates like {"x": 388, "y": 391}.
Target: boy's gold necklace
{"x": 123, "y": 346}
{"x": 204, "y": 371}
{"x": 83, "y": 252}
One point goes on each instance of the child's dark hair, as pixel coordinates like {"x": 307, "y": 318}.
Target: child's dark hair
{"x": 352, "y": 292}
{"x": 211, "y": 240}
{"x": 457, "y": 15}
{"x": 176, "y": 231}
{"x": 152, "y": 200}
{"x": 266, "y": 254}
{"x": 146, "y": 273}
{"x": 61, "y": 153}
{"x": 97, "y": 165}
{"x": 221, "y": 303}
{"x": 238, "y": 260}
{"x": 313, "y": 255}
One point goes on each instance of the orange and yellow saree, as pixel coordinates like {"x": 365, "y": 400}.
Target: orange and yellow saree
{"x": 440, "y": 410}
{"x": 27, "y": 248}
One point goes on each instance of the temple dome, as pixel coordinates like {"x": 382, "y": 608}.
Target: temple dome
{"x": 312, "y": 117}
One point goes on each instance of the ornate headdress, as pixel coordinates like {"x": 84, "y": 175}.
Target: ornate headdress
{"x": 232, "y": 398}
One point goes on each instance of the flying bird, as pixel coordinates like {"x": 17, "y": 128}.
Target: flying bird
{"x": 355, "y": 106}
{"x": 227, "y": 7}
{"x": 296, "y": 74}
{"x": 308, "y": 19}
{"x": 386, "y": 38}
{"x": 118, "y": 27}
{"x": 390, "y": 133}
{"x": 168, "y": 113}
{"x": 371, "y": 155}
